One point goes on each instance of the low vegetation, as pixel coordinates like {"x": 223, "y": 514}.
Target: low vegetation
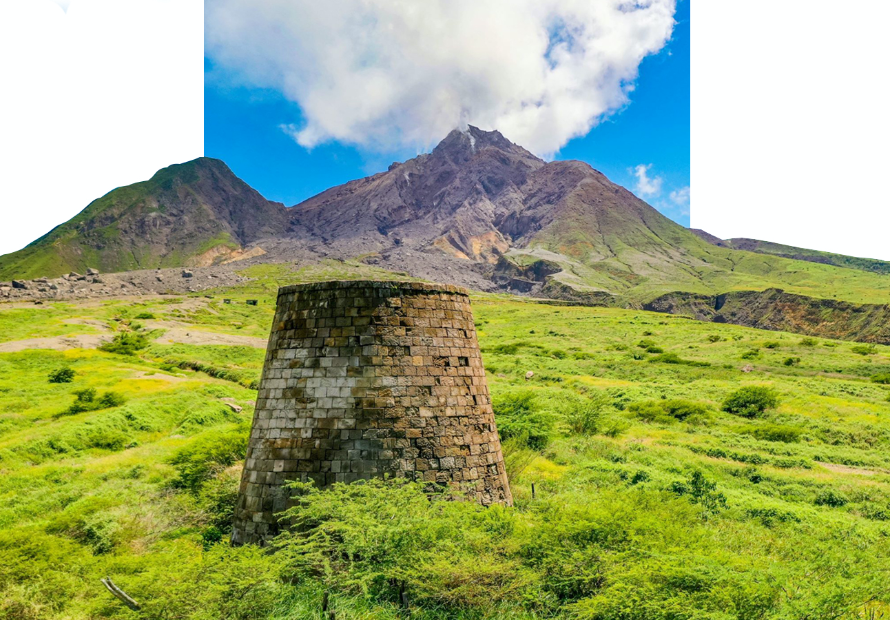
{"x": 663, "y": 490}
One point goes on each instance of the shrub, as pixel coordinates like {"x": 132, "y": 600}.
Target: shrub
{"x": 584, "y": 415}
{"x": 145, "y": 316}
{"x": 701, "y": 491}
{"x": 85, "y": 400}
{"x": 772, "y": 344}
{"x": 519, "y": 416}
{"x": 831, "y": 498}
{"x": 882, "y": 378}
{"x": 61, "y": 375}
{"x": 673, "y": 358}
{"x": 792, "y": 361}
{"x": 775, "y": 432}
{"x": 809, "y": 342}
{"x": 206, "y": 457}
{"x": 125, "y": 343}
{"x": 714, "y": 338}
{"x": 751, "y": 354}
{"x": 645, "y": 344}
{"x": 654, "y": 349}
{"x": 751, "y": 401}
{"x": 862, "y": 349}
{"x": 666, "y": 411}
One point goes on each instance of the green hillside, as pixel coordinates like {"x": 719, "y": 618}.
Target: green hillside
{"x": 651, "y": 501}
{"x": 827, "y": 258}
{"x": 182, "y": 213}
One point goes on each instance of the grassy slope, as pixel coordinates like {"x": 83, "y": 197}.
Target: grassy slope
{"x": 828, "y": 258}
{"x": 641, "y": 256}
{"x": 66, "y": 248}
{"x": 91, "y": 494}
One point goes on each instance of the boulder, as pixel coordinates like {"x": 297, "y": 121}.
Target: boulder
{"x": 74, "y": 275}
{"x": 21, "y": 284}
{"x": 187, "y": 274}
{"x": 92, "y": 272}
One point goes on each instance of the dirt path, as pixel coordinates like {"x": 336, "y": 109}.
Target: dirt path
{"x": 190, "y": 335}
{"x": 58, "y": 343}
{"x": 846, "y": 469}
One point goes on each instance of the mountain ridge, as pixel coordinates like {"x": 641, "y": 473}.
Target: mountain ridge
{"x": 477, "y": 210}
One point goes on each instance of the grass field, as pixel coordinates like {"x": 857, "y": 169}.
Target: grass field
{"x": 650, "y": 501}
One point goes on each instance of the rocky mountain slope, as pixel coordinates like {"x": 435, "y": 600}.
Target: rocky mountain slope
{"x": 478, "y": 211}
{"x": 189, "y": 214}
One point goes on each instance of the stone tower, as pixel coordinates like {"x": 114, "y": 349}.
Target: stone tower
{"x": 364, "y": 379}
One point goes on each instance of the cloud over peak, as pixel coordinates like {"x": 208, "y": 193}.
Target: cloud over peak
{"x": 397, "y": 73}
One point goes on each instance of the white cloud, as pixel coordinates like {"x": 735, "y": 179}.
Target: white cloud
{"x": 97, "y": 94}
{"x": 647, "y": 186}
{"x": 680, "y": 197}
{"x": 402, "y": 73}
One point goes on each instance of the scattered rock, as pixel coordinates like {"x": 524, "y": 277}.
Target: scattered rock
{"x": 747, "y": 368}
{"x": 19, "y": 284}
{"x": 529, "y": 375}
{"x": 54, "y": 287}
{"x": 187, "y": 274}
{"x": 92, "y": 272}
{"x": 74, "y": 275}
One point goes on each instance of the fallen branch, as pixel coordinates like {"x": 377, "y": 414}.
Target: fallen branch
{"x": 129, "y": 602}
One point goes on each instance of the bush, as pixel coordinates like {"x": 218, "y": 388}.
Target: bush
{"x": 775, "y": 432}
{"x": 673, "y": 358}
{"x": 145, "y": 316}
{"x": 584, "y": 415}
{"x": 125, "y": 343}
{"x": 831, "y": 498}
{"x": 701, "y": 491}
{"x": 645, "y": 344}
{"x": 654, "y": 349}
{"x": 667, "y": 411}
{"x": 206, "y": 457}
{"x": 751, "y": 354}
{"x": 809, "y": 342}
{"x": 519, "y": 416}
{"x": 792, "y": 361}
{"x": 85, "y": 400}
{"x": 863, "y": 349}
{"x": 751, "y": 401}
{"x": 61, "y": 375}
{"x": 714, "y": 338}
{"x": 772, "y": 344}
{"x": 882, "y": 378}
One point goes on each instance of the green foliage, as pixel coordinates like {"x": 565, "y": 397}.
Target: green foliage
{"x": 808, "y": 342}
{"x": 125, "y": 343}
{"x": 701, "y": 491}
{"x": 751, "y": 401}
{"x": 584, "y": 415}
{"x": 519, "y": 415}
{"x": 666, "y": 411}
{"x": 863, "y": 349}
{"x": 775, "y": 432}
{"x": 881, "y": 378}
{"x": 673, "y": 358}
{"x": 87, "y": 400}
{"x": 61, "y": 375}
{"x": 712, "y": 338}
{"x": 830, "y": 498}
{"x": 772, "y": 344}
{"x": 145, "y": 316}
{"x": 792, "y": 361}
{"x": 751, "y": 354}
{"x": 207, "y": 456}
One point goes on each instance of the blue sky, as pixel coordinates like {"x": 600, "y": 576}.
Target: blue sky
{"x": 242, "y": 126}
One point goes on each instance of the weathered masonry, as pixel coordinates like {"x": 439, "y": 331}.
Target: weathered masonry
{"x": 365, "y": 379}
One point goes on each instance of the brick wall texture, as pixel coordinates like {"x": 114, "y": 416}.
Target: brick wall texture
{"x": 365, "y": 379}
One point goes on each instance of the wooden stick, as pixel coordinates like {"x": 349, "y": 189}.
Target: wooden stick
{"x": 129, "y": 602}
{"x": 533, "y": 490}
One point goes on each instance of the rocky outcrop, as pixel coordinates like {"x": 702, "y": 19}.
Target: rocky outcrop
{"x": 774, "y": 309}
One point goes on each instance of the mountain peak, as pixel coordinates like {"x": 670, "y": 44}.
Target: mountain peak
{"x": 474, "y": 139}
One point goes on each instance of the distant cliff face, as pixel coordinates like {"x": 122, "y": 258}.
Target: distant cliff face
{"x": 777, "y": 310}
{"x": 195, "y": 213}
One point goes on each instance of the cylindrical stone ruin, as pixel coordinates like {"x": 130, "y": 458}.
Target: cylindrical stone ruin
{"x": 365, "y": 379}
